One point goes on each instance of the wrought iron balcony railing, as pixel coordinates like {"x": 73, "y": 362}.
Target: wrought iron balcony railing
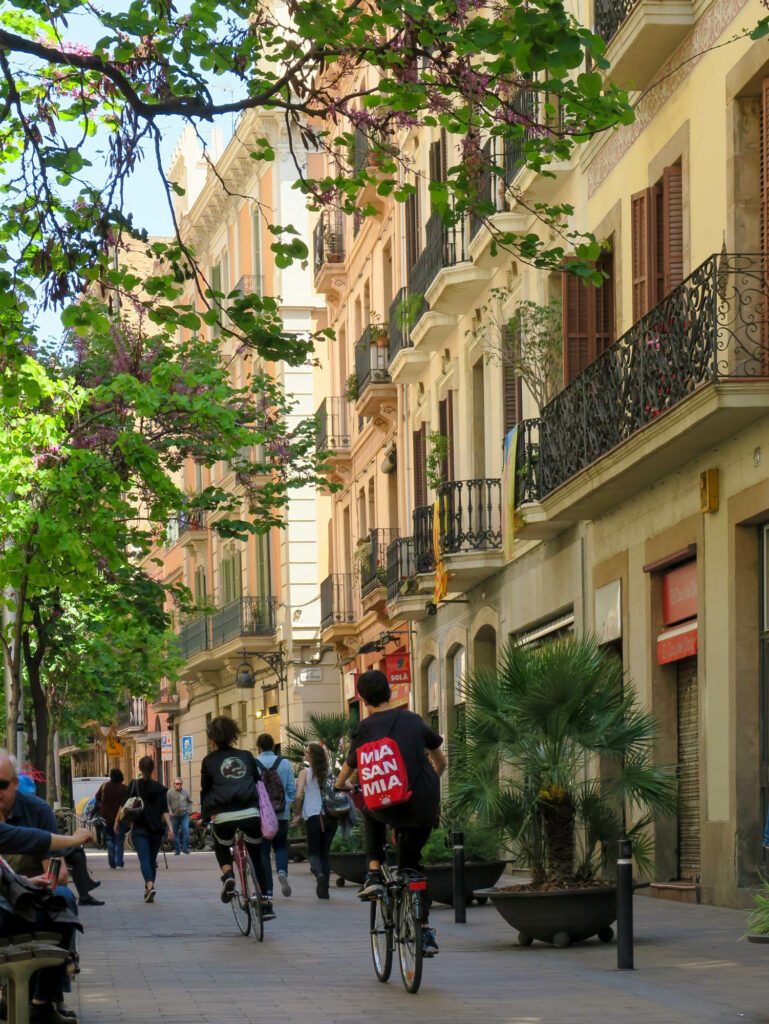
{"x": 194, "y": 636}
{"x": 374, "y": 570}
{"x": 527, "y": 462}
{"x": 372, "y": 357}
{"x": 401, "y": 567}
{"x": 246, "y": 616}
{"x": 424, "y": 553}
{"x": 194, "y": 520}
{"x": 333, "y": 425}
{"x": 714, "y": 326}
{"x": 610, "y": 15}
{"x": 328, "y": 239}
{"x": 339, "y": 602}
{"x": 400, "y": 318}
{"x": 471, "y": 517}
{"x": 444, "y": 247}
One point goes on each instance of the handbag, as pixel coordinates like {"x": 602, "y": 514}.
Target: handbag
{"x": 132, "y": 809}
{"x": 266, "y": 811}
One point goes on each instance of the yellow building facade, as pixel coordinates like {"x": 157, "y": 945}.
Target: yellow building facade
{"x": 639, "y": 482}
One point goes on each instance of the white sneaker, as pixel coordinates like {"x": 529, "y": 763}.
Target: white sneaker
{"x": 283, "y": 882}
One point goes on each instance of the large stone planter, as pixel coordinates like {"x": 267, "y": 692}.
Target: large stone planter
{"x": 348, "y": 867}
{"x": 560, "y": 917}
{"x": 479, "y": 874}
{"x": 760, "y": 939}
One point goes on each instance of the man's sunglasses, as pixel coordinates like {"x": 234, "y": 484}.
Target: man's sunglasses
{"x": 5, "y": 783}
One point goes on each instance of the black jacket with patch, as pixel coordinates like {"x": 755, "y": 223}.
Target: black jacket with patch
{"x": 228, "y": 781}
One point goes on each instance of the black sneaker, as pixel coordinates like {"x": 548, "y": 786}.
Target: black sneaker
{"x": 429, "y": 945}
{"x": 268, "y": 914}
{"x": 228, "y": 888}
{"x": 373, "y": 886}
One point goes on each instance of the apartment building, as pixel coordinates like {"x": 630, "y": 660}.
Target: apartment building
{"x": 255, "y": 653}
{"x": 632, "y": 498}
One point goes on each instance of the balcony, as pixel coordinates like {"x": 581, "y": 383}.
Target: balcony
{"x": 333, "y": 437}
{"x": 408, "y": 594}
{"x": 641, "y": 35}
{"x": 405, "y": 362}
{"x": 377, "y": 395}
{"x": 133, "y": 718}
{"x": 690, "y": 374}
{"x": 340, "y": 608}
{"x": 194, "y": 637}
{"x": 165, "y": 701}
{"x": 328, "y": 253}
{"x": 373, "y": 576}
{"x": 471, "y": 530}
{"x": 246, "y": 616}
{"x": 424, "y": 554}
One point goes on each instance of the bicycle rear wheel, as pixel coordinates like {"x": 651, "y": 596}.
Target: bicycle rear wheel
{"x": 381, "y": 941}
{"x": 254, "y": 896}
{"x": 241, "y": 907}
{"x": 410, "y": 942}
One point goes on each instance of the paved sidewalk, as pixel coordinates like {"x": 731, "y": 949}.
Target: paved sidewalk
{"x": 180, "y": 960}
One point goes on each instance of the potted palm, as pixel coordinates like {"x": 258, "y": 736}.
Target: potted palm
{"x": 533, "y": 727}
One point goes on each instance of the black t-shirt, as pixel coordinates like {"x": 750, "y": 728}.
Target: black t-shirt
{"x": 155, "y": 804}
{"x": 413, "y": 737}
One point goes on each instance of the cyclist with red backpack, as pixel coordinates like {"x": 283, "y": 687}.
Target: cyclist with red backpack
{"x": 399, "y": 762}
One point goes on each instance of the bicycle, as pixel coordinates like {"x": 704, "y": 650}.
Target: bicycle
{"x": 398, "y": 915}
{"x": 247, "y": 905}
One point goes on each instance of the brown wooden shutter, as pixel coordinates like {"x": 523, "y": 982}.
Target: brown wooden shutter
{"x": 450, "y": 435}
{"x": 512, "y": 398}
{"x": 603, "y": 318}
{"x": 435, "y": 161}
{"x": 420, "y": 458}
{"x": 444, "y": 151}
{"x": 641, "y": 225}
{"x": 672, "y": 228}
{"x": 578, "y": 343}
{"x": 412, "y": 232}
{"x": 764, "y": 156}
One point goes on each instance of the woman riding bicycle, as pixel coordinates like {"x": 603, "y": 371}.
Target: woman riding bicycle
{"x": 228, "y": 796}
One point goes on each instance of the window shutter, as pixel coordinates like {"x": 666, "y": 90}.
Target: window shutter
{"x": 412, "y": 230}
{"x": 237, "y": 570}
{"x": 257, "y": 229}
{"x": 450, "y": 434}
{"x": 512, "y": 396}
{"x": 444, "y": 152}
{"x": 604, "y": 304}
{"x": 420, "y": 458}
{"x": 672, "y": 227}
{"x": 764, "y": 176}
{"x": 216, "y": 285}
{"x": 641, "y": 216}
{"x": 576, "y": 325}
{"x": 435, "y": 161}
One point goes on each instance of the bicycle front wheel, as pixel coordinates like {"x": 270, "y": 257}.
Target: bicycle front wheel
{"x": 410, "y": 943}
{"x": 381, "y": 941}
{"x": 254, "y": 896}
{"x": 241, "y": 907}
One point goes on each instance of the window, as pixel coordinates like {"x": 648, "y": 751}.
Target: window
{"x": 263, "y": 565}
{"x": 588, "y": 317}
{"x": 446, "y": 429}
{"x": 420, "y": 466}
{"x": 200, "y": 585}
{"x": 198, "y": 477}
{"x": 256, "y": 223}
{"x": 433, "y": 695}
{"x": 216, "y": 286}
{"x": 658, "y": 240}
{"x": 227, "y": 711}
{"x": 413, "y": 229}
{"x": 231, "y": 583}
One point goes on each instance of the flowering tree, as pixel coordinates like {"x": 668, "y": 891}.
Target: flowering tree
{"x": 97, "y": 421}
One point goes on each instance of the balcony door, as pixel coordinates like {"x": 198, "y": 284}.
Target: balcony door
{"x": 588, "y": 317}
{"x": 657, "y": 240}
{"x": 232, "y": 582}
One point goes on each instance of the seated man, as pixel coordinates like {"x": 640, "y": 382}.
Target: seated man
{"x": 28, "y": 817}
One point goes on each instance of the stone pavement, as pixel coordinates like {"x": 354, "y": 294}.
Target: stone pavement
{"x": 181, "y": 960}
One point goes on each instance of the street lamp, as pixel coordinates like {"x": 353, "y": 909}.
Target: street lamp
{"x": 244, "y": 675}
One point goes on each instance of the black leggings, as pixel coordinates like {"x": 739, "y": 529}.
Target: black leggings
{"x": 224, "y": 834}
{"x": 320, "y": 833}
{"x": 410, "y": 840}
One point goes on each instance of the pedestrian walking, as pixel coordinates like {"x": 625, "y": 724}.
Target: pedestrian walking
{"x": 150, "y": 822}
{"x": 271, "y": 762}
{"x": 319, "y": 827}
{"x": 109, "y": 799}
{"x": 179, "y": 806}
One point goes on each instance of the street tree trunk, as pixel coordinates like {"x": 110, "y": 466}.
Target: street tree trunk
{"x": 558, "y": 820}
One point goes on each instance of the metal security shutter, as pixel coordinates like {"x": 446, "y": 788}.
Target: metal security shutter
{"x": 688, "y": 771}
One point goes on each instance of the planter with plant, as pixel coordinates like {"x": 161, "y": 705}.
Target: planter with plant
{"x": 758, "y": 919}
{"x": 531, "y": 728}
{"x": 351, "y": 390}
{"x": 483, "y": 865}
{"x": 437, "y": 457}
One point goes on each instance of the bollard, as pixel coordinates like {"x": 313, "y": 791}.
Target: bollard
{"x": 460, "y": 910}
{"x": 625, "y": 906}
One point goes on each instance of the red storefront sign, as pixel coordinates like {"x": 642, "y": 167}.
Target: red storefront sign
{"x": 398, "y": 669}
{"x": 679, "y": 593}
{"x": 677, "y": 643}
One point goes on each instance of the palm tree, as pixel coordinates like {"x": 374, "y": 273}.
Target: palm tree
{"x": 531, "y": 730}
{"x": 332, "y": 730}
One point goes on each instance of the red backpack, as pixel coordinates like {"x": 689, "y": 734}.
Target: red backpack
{"x": 382, "y": 774}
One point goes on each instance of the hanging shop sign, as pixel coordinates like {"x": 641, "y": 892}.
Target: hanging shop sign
{"x": 677, "y": 643}
{"x": 398, "y": 669}
{"x": 679, "y": 593}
